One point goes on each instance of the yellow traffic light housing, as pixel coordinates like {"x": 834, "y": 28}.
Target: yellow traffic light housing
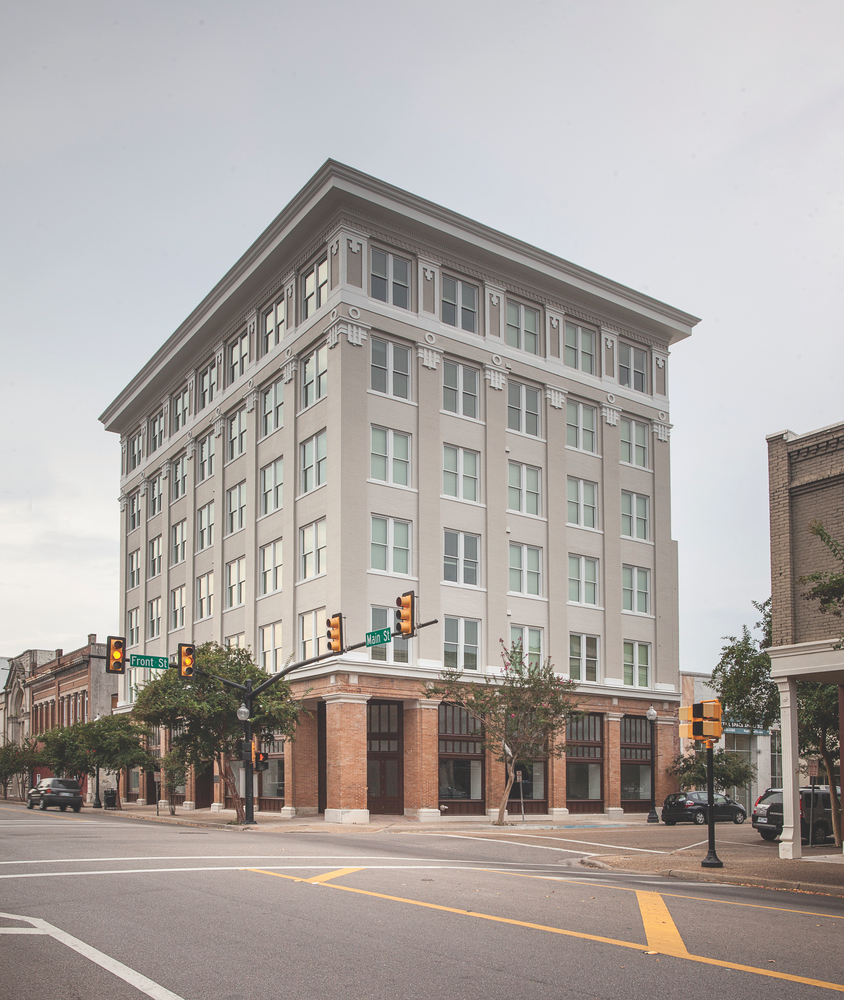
{"x": 115, "y": 654}
{"x": 406, "y": 614}
{"x": 701, "y": 721}
{"x": 334, "y": 634}
{"x": 187, "y": 659}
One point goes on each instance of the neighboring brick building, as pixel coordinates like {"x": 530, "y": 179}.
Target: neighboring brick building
{"x": 403, "y": 399}
{"x": 806, "y": 484}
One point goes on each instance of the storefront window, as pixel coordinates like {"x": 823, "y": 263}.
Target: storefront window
{"x": 532, "y": 783}
{"x": 584, "y": 764}
{"x": 461, "y": 762}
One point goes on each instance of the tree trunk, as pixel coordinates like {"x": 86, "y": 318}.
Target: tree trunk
{"x": 834, "y": 803}
{"x": 511, "y": 777}
{"x": 231, "y": 785}
{"x": 119, "y": 804}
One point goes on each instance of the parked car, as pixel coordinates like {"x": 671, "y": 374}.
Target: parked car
{"x": 767, "y": 814}
{"x": 61, "y": 792}
{"x": 691, "y": 807}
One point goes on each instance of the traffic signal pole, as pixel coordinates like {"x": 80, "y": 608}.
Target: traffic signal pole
{"x": 711, "y": 860}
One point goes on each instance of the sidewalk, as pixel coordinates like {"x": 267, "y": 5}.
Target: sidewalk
{"x": 821, "y": 870}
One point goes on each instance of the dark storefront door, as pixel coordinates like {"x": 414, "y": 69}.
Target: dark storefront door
{"x": 384, "y": 750}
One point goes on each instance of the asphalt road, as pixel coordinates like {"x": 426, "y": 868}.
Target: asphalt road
{"x": 103, "y": 908}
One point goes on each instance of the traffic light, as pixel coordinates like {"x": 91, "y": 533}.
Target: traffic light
{"x": 187, "y": 659}
{"x": 701, "y": 721}
{"x": 336, "y": 643}
{"x": 115, "y": 654}
{"x": 406, "y": 614}
{"x": 262, "y": 760}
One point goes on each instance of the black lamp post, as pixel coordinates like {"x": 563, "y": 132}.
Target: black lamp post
{"x": 651, "y": 716}
{"x": 244, "y": 713}
{"x": 97, "y": 804}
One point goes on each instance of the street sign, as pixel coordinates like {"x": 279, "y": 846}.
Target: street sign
{"x": 378, "y": 637}
{"x": 149, "y": 662}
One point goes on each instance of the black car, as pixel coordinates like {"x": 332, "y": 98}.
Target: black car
{"x": 767, "y": 814}
{"x": 61, "y": 792}
{"x": 691, "y": 807}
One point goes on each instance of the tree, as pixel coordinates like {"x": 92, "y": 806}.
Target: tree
{"x": 174, "y": 772}
{"x": 19, "y": 761}
{"x": 62, "y": 751}
{"x": 201, "y": 713}
{"x": 523, "y": 711}
{"x": 742, "y": 679}
{"x": 728, "y": 770}
{"x": 817, "y": 736}
{"x": 114, "y": 743}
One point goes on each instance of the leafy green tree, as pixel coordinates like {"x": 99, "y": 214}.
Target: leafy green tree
{"x": 201, "y": 713}
{"x": 174, "y": 772}
{"x": 742, "y": 679}
{"x": 20, "y": 761}
{"x": 818, "y": 736}
{"x": 113, "y": 743}
{"x": 523, "y": 712}
{"x": 63, "y": 752}
{"x": 728, "y": 770}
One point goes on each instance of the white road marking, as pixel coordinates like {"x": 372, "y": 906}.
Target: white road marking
{"x": 542, "y": 847}
{"x": 130, "y": 976}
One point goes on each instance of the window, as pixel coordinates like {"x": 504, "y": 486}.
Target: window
{"x": 156, "y": 496}
{"x": 460, "y": 304}
{"x": 238, "y": 356}
{"x": 156, "y": 432}
{"x": 236, "y": 582}
{"x": 177, "y": 607}
{"x": 460, "y": 473}
{"x": 634, "y": 442}
{"x": 235, "y": 641}
{"x": 633, "y": 367}
{"x": 637, "y": 662}
{"x": 134, "y": 451}
{"x": 207, "y": 385}
{"x": 312, "y": 634}
{"x": 461, "y": 553}
{"x": 205, "y": 458}
{"x": 523, "y": 488}
{"x": 525, "y": 570}
{"x": 133, "y": 569}
{"x": 178, "y": 542}
{"x": 314, "y": 376}
{"x": 523, "y": 327}
{"x": 269, "y": 568}
{"x": 583, "y": 657}
{"x": 312, "y": 547}
{"x": 272, "y": 486}
{"x": 582, "y": 503}
{"x": 460, "y": 389}
{"x": 580, "y": 348}
{"x": 180, "y": 410}
{"x": 581, "y": 423}
{"x": 390, "y": 369}
{"x": 461, "y": 644}
{"x": 461, "y": 756}
{"x": 312, "y": 463}
{"x": 635, "y": 583}
{"x": 395, "y": 651}
{"x": 389, "y": 460}
{"x": 634, "y": 515}
{"x": 273, "y": 326}
{"x": 154, "y": 556}
{"x": 390, "y": 545}
{"x": 390, "y": 279}
{"x": 315, "y": 288}
{"x": 272, "y": 408}
{"x": 583, "y": 580}
{"x": 235, "y": 508}
{"x": 205, "y": 526}
{"x": 133, "y": 628}
{"x": 204, "y": 596}
{"x": 269, "y": 641}
{"x": 180, "y": 476}
{"x": 237, "y": 435}
{"x": 133, "y": 516}
{"x": 522, "y": 409}
{"x": 154, "y": 618}
{"x": 530, "y": 639}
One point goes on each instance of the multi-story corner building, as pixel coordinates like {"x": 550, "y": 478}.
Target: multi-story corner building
{"x": 382, "y": 396}
{"x": 806, "y": 484}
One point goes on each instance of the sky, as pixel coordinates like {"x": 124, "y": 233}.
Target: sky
{"x": 694, "y": 152}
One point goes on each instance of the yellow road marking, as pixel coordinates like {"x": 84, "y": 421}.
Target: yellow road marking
{"x": 327, "y": 875}
{"x": 770, "y": 973}
{"x": 660, "y": 929}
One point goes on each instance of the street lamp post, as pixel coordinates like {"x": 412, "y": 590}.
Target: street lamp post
{"x": 244, "y": 713}
{"x": 97, "y": 804}
{"x": 651, "y": 716}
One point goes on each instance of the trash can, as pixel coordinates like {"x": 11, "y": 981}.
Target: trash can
{"x": 110, "y": 798}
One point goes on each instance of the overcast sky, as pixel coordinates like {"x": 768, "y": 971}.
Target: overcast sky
{"x": 692, "y": 151}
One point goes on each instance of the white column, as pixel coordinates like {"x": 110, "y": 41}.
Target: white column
{"x": 790, "y": 842}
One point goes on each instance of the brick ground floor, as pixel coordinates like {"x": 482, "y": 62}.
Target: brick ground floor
{"x": 369, "y": 745}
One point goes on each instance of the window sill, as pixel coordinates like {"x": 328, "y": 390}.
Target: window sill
{"x": 638, "y": 614}
{"x": 310, "y": 406}
{"x": 471, "y": 503}
{"x": 269, "y": 593}
{"x": 387, "y": 573}
{"x": 533, "y": 517}
{"x": 632, "y": 465}
{"x": 395, "y": 486}
{"x": 462, "y": 416}
{"x": 593, "y": 607}
{"x": 583, "y": 451}
{"x": 524, "y": 434}
{"x": 308, "y": 579}
{"x": 269, "y": 513}
{"x": 387, "y": 395}
{"x": 310, "y": 492}
{"x": 584, "y": 527}
{"x": 527, "y": 597}
{"x": 641, "y": 541}
{"x": 463, "y": 586}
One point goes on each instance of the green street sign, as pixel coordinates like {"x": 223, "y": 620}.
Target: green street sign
{"x": 150, "y": 662}
{"x": 378, "y": 637}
